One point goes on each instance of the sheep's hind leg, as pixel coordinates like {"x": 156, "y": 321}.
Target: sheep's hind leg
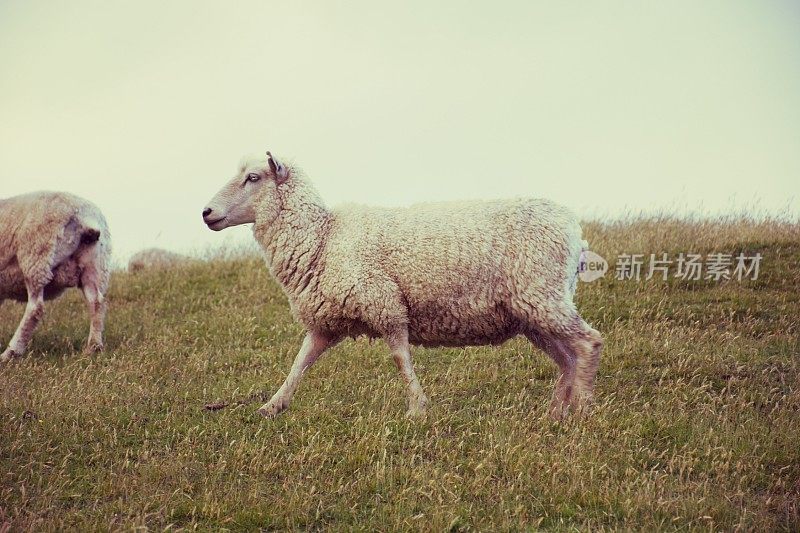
{"x": 96, "y": 305}
{"x": 313, "y": 346}
{"x": 401, "y": 353}
{"x": 576, "y": 351}
{"x": 563, "y": 394}
{"x": 92, "y": 258}
{"x": 587, "y": 344}
{"x": 33, "y": 314}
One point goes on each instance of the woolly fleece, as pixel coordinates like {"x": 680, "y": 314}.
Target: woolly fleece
{"x": 50, "y": 241}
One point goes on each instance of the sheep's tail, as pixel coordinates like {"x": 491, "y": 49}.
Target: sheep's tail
{"x": 90, "y": 236}
{"x": 94, "y": 248}
{"x": 93, "y": 239}
{"x": 91, "y": 229}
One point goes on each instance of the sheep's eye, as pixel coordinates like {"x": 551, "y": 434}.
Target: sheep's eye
{"x": 253, "y": 177}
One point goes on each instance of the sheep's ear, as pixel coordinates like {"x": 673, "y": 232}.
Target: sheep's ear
{"x": 277, "y": 168}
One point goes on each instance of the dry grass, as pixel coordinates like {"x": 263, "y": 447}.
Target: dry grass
{"x": 697, "y": 423}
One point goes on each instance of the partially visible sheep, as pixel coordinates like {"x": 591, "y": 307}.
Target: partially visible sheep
{"x": 449, "y": 274}
{"x": 50, "y": 241}
{"x": 155, "y": 258}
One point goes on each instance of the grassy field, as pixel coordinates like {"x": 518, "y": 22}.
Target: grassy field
{"x": 696, "y": 425}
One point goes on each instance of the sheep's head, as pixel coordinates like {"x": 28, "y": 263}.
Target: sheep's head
{"x": 257, "y": 181}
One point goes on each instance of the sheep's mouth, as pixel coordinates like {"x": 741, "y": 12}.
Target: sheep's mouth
{"x": 216, "y": 224}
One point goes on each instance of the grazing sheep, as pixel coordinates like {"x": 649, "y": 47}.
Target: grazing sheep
{"x": 447, "y": 274}
{"x": 50, "y": 241}
{"x": 155, "y": 258}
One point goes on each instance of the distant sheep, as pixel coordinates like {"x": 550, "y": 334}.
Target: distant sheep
{"x": 446, "y": 274}
{"x": 50, "y": 241}
{"x": 155, "y": 258}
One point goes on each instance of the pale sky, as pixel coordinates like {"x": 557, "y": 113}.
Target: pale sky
{"x": 146, "y": 107}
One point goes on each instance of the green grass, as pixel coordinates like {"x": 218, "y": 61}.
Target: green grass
{"x": 696, "y": 426}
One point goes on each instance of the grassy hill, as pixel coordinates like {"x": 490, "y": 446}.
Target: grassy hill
{"x": 697, "y": 423}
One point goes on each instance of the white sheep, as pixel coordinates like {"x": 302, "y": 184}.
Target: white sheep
{"x": 155, "y": 259}
{"x": 447, "y": 274}
{"x": 50, "y": 241}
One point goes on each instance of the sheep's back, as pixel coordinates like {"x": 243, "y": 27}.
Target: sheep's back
{"x": 155, "y": 258}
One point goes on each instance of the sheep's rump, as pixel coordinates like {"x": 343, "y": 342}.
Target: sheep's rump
{"x": 46, "y": 235}
{"x": 466, "y": 273}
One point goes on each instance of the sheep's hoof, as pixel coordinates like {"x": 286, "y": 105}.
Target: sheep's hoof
{"x": 580, "y": 404}
{"x": 559, "y": 411}
{"x": 273, "y": 408}
{"x": 8, "y": 355}
{"x": 418, "y": 409}
{"x": 93, "y": 347}
{"x": 583, "y": 407}
{"x": 416, "y": 413}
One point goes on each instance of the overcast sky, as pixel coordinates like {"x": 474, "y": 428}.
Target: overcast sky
{"x": 146, "y": 107}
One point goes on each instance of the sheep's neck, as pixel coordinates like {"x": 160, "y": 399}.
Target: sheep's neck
{"x": 293, "y": 242}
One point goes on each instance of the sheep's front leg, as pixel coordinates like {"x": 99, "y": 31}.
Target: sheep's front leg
{"x": 313, "y": 345}
{"x": 401, "y": 353}
{"x": 33, "y": 314}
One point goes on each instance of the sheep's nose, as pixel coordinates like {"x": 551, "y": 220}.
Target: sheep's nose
{"x": 206, "y": 212}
